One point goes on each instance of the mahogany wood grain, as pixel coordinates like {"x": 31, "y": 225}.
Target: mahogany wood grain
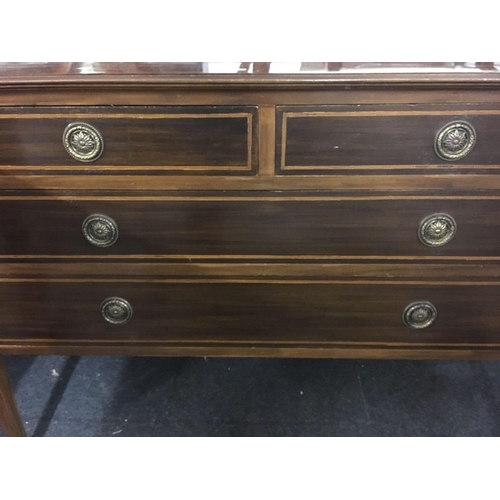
{"x": 193, "y": 268}
{"x": 276, "y": 350}
{"x": 267, "y": 133}
{"x": 448, "y": 180}
{"x": 82, "y": 96}
{"x": 329, "y": 138}
{"x": 255, "y": 226}
{"x": 220, "y": 256}
{"x": 244, "y": 80}
{"x": 188, "y": 139}
{"x": 10, "y": 419}
{"x": 367, "y": 313}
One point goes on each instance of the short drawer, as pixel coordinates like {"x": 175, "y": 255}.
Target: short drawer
{"x": 158, "y": 140}
{"x": 257, "y": 226}
{"x": 196, "y": 311}
{"x": 329, "y": 139}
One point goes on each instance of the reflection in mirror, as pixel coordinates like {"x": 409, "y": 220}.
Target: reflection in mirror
{"x": 34, "y": 69}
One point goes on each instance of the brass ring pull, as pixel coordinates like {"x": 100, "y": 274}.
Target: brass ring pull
{"x": 436, "y": 230}
{"x": 116, "y": 311}
{"x": 83, "y": 142}
{"x": 100, "y": 230}
{"x": 455, "y": 141}
{"x": 419, "y": 315}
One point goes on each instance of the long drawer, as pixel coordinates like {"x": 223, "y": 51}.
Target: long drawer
{"x": 249, "y": 312}
{"x": 251, "y": 227}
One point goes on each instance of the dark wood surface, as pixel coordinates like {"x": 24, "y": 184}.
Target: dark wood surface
{"x": 10, "y": 420}
{"x": 161, "y": 139}
{"x": 231, "y": 254}
{"x": 249, "y": 226}
{"x": 368, "y": 314}
{"x": 443, "y": 184}
{"x": 261, "y": 350}
{"x": 250, "y": 73}
{"x": 376, "y": 138}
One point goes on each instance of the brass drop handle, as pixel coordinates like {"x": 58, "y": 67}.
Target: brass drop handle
{"x": 437, "y": 230}
{"x": 100, "y": 230}
{"x": 418, "y": 315}
{"x": 116, "y": 310}
{"x": 455, "y": 141}
{"x": 83, "y": 142}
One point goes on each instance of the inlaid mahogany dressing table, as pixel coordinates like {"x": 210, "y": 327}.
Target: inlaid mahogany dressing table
{"x": 249, "y": 209}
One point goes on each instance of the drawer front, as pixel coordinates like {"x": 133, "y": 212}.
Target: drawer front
{"x": 251, "y": 227}
{"x": 190, "y": 139}
{"x": 246, "y": 312}
{"x": 376, "y": 139}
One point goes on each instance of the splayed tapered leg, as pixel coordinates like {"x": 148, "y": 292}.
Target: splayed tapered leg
{"x": 10, "y": 420}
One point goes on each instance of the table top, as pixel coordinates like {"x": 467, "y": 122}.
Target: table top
{"x": 249, "y": 72}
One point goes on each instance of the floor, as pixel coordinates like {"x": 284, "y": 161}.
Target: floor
{"x": 122, "y": 396}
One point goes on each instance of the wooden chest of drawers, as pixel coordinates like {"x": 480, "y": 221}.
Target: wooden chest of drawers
{"x": 249, "y": 215}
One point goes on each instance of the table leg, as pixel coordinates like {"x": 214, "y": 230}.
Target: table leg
{"x": 10, "y": 420}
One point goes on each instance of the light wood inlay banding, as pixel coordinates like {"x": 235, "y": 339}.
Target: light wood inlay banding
{"x": 267, "y": 140}
{"x": 225, "y": 278}
{"x": 355, "y": 140}
{"x": 354, "y": 272}
{"x": 136, "y": 141}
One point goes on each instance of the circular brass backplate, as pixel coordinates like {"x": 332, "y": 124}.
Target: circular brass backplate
{"x": 116, "y": 311}
{"x": 83, "y": 142}
{"x": 436, "y": 230}
{"x": 455, "y": 141}
{"x": 419, "y": 315}
{"x": 100, "y": 230}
